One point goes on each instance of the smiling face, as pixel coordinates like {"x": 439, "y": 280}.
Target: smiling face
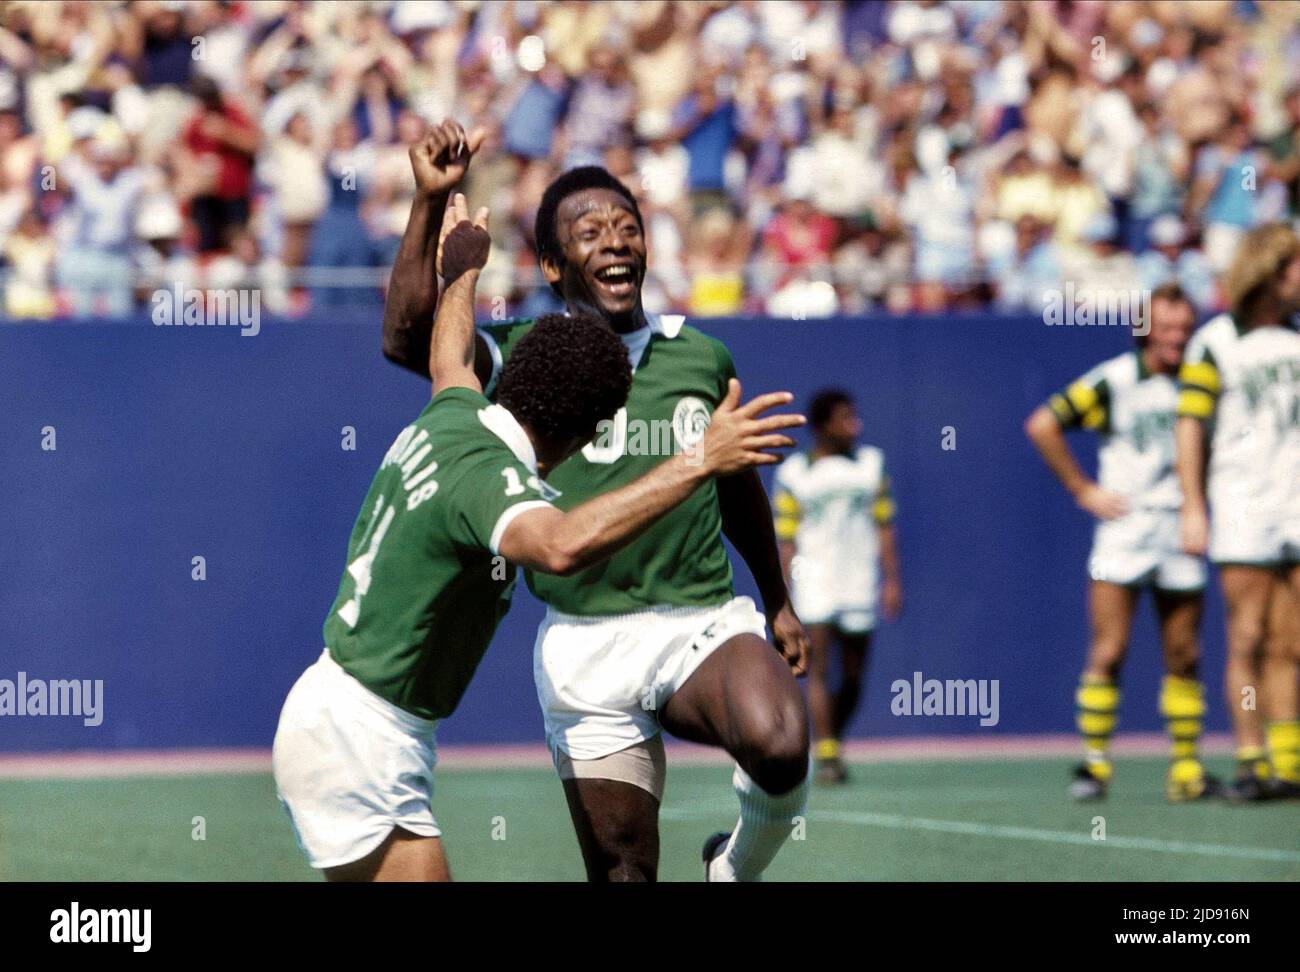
{"x": 1172, "y": 323}
{"x": 604, "y": 255}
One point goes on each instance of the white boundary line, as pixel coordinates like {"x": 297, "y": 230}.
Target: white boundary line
{"x": 897, "y": 822}
{"x": 207, "y": 762}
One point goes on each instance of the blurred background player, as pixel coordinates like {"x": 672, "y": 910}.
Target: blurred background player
{"x": 834, "y": 518}
{"x": 1130, "y": 402}
{"x": 1239, "y": 447}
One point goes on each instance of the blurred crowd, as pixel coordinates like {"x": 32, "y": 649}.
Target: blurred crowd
{"x": 791, "y": 157}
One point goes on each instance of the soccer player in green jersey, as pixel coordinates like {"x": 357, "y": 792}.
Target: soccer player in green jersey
{"x": 458, "y": 502}
{"x": 655, "y": 637}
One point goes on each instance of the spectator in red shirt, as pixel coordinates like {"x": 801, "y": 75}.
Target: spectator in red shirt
{"x": 222, "y": 141}
{"x": 799, "y": 238}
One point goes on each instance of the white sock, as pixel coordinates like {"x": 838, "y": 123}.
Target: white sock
{"x": 765, "y": 823}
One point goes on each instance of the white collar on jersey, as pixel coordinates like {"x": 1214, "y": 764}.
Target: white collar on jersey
{"x": 667, "y": 325}
{"x": 506, "y": 427}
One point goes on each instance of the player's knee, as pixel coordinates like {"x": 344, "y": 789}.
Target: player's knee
{"x": 1247, "y": 635}
{"x": 1181, "y": 656}
{"x": 1105, "y": 661}
{"x": 778, "y": 760}
{"x": 624, "y": 865}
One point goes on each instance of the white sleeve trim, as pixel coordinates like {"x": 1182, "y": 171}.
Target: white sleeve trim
{"x": 508, "y": 517}
{"x": 494, "y": 349}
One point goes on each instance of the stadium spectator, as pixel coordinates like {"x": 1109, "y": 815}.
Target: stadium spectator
{"x": 221, "y": 140}
{"x": 1024, "y": 275}
{"x": 1170, "y": 260}
{"x": 94, "y": 264}
{"x": 1056, "y": 111}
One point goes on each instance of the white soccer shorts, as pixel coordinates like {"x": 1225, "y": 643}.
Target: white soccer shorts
{"x": 821, "y": 597}
{"x": 1240, "y": 536}
{"x": 602, "y": 680}
{"x": 350, "y": 766}
{"x": 1143, "y": 548}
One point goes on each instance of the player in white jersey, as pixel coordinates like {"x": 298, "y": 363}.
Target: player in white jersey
{"x": 834, "y": 520}
{"x": 1130, "y": 402}
{"x": 1240, "y": 400}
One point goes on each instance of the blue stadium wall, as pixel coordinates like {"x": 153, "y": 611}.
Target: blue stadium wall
{"x": 181, "y": 442}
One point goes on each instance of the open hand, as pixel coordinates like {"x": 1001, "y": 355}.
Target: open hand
{"x": 738, "y": 439}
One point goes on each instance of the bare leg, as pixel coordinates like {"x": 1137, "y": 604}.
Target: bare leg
{"x": 1282, "y": 680}
{"x": 821, "y": 700}
{"x": 745, "y": 699}
{"x": 1246, "y": 590}
{"x": 1110, "y": 610}
{"x": 617, "y": 824}
{"x": 853, "y": 655}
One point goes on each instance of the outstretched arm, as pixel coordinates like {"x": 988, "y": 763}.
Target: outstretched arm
{"x": 465, "y": 251}
{"x": 738, "y": 438}
{"x": 439, "y": 162}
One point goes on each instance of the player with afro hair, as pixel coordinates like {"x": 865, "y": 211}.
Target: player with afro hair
{"x": 566, "y": 376}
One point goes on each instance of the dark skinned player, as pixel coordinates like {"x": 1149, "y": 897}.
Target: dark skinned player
{"x": 655, "y": 637}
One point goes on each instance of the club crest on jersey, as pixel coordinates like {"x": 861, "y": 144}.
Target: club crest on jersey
{"x": 691, "y": 418}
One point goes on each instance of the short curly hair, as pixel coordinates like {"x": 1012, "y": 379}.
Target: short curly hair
{"x": 573, "y": 181}
{"x": 568, "y": 374}
{"x": 824, "y": 403}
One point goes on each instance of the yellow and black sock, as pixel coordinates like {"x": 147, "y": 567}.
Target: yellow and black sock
{"x": 1253, "y": 761}
{"x": 1182, "y": 703}
{"x": 1284, "y": 749}
{"x": 1097, "y": 701}
{"x": 826, "y": 749}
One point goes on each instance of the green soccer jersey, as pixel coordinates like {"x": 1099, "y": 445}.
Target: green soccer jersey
{"x": 424, "y": 588}
{"x": 681, "y": 375}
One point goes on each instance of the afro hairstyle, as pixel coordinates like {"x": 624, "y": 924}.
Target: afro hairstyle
{"x": 568, "y": 374}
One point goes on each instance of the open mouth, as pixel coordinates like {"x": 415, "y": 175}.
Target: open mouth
{"x": 617, "y": 280}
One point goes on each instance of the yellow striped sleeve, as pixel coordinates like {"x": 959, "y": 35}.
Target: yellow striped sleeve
{"x": 787, "y": 516}
{"x": 1082, "y": 403}
{"x": 1198, "y": 388}
{"x": 1200, "y": 374}
{"x": 1195, "y": 403}
{"x": 884, "y": 507}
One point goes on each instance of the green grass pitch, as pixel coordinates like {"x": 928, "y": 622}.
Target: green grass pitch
{"x": 979, "y": 820}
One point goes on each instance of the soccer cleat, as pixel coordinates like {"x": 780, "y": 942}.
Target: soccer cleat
{"x": 1087, "y": 784}
{"x": 1254, "y": 782}
{"x": 830, "y": 772}
{"x": 1246, "y": 789}
{"x": 1283, "y": 790}
{"x": 711, "y": 847}
{"x": 1188, "y": 781}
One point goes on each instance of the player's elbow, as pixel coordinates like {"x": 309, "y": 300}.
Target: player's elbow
{"x": 562, "y": 561}
{"x": 1038, "y": 424}
{"x": 394, "y": 345}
